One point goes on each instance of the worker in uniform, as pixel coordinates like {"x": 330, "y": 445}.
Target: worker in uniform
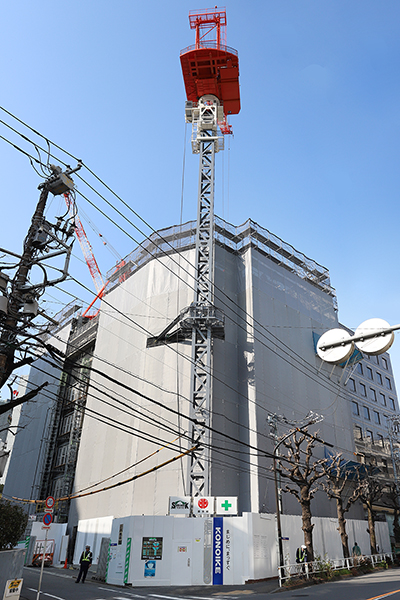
{"x": 301, "y": 556}
{"x": 85, "y": 562}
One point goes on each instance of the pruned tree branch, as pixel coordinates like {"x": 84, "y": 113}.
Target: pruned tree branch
{"x": 25, "y": 398}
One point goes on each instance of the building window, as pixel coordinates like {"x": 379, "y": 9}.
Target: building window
{"x": 372, "y": 394}
{"x": 58, "y": 487}
{"x": 377, "y": 359}
{"x": 369, "y": 373}
{"x": 384, "y": 363}
{"x": 388, "y": 383}
{"x": 392, "y": 404}
{"x": 377, "y": 417}
{"x": 358, "y": 432}
{"x": 62, "y": 455}
{"x": 369, "y": 435}
{"x": 379, "y": 378}
{"x": 385, "y": 465}
{"x": 382, "y": 398}
{"x": 380, "y": 440}
{"x": 352, "y": 385}
{"x": 356, "y": 410}
{"x": 360, "y": 369}
{"x": 363, "y": 390}
{"x": 66, "y": 425}
{"x": 366, "y": 413}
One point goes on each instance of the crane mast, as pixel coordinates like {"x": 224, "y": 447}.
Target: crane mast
{"x": 211, "y": 76}
{"x": 203, "y": 316}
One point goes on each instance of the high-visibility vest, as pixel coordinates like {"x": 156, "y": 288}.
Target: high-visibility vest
{"x": 87, "y": 557}
{"x": 301, "y": 554}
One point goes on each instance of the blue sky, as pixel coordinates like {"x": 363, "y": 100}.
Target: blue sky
{"x": 314, "y": 157}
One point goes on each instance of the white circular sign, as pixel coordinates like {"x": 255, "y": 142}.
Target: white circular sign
{"x": 338, "y": 354}
{"x": 378, "y": 344}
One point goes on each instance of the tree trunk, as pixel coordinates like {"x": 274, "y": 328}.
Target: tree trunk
{"x": 371, "y": 527}
{"x": 396, "y": 527}
{"x": 307, "y": 527}
{"x": 342, "y": 528}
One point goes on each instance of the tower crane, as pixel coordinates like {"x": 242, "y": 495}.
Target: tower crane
{"x": 86, "y": 251}
{"x": 211, "y": 76}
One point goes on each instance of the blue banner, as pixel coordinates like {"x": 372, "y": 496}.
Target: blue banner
{"x": 218, "y": 543}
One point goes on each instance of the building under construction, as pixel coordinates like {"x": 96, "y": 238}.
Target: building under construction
{"x": 118, "y": 397}
{"x": 202, "y": 354}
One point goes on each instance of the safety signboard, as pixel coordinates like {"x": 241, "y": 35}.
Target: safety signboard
{"x": 226, "y": 505}
{"x": 13, "y": 588}
{"x": 203, "y": 505}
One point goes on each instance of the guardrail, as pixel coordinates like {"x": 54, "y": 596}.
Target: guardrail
{"x": 308, "y": 569}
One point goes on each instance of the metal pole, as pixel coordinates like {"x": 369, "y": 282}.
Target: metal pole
{"x": 41, "y": 569}
{"x": 278, "y": 514}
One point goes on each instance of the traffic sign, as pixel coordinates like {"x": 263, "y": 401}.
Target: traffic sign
{"x": 47, "y": 519}
{"x": 50, "y": 502}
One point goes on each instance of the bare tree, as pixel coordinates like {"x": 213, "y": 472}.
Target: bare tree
{"x": 341, "y": 485}
{"x": 392, "y": 500}
{"x": 303, "y": 472}
{"x": 371, "y": 490}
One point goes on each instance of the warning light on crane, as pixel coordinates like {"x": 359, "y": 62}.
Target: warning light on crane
{"x": 210, "y": 66}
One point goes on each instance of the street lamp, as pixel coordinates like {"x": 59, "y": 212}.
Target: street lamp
{"x": 374, "y": 336}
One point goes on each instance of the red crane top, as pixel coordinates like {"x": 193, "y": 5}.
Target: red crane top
{"x": 209, "y": 66}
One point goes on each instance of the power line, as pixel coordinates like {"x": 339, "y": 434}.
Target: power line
{"x": 303, "y": 365}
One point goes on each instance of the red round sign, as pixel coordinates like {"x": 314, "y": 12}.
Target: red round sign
{"x": 202, "y": 503}
{"x": 47, "y": 519}
{"x": 50, "y": 502}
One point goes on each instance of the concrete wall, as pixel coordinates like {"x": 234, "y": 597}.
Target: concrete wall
{"x": 11, "y": 566}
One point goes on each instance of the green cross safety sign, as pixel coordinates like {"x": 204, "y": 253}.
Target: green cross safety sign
{"x": 226, "y": 505}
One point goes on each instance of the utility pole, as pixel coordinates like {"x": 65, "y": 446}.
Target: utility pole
{"x": 43, "y": 242}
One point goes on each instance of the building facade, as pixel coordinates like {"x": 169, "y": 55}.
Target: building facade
{"x": 118, "y": 411}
